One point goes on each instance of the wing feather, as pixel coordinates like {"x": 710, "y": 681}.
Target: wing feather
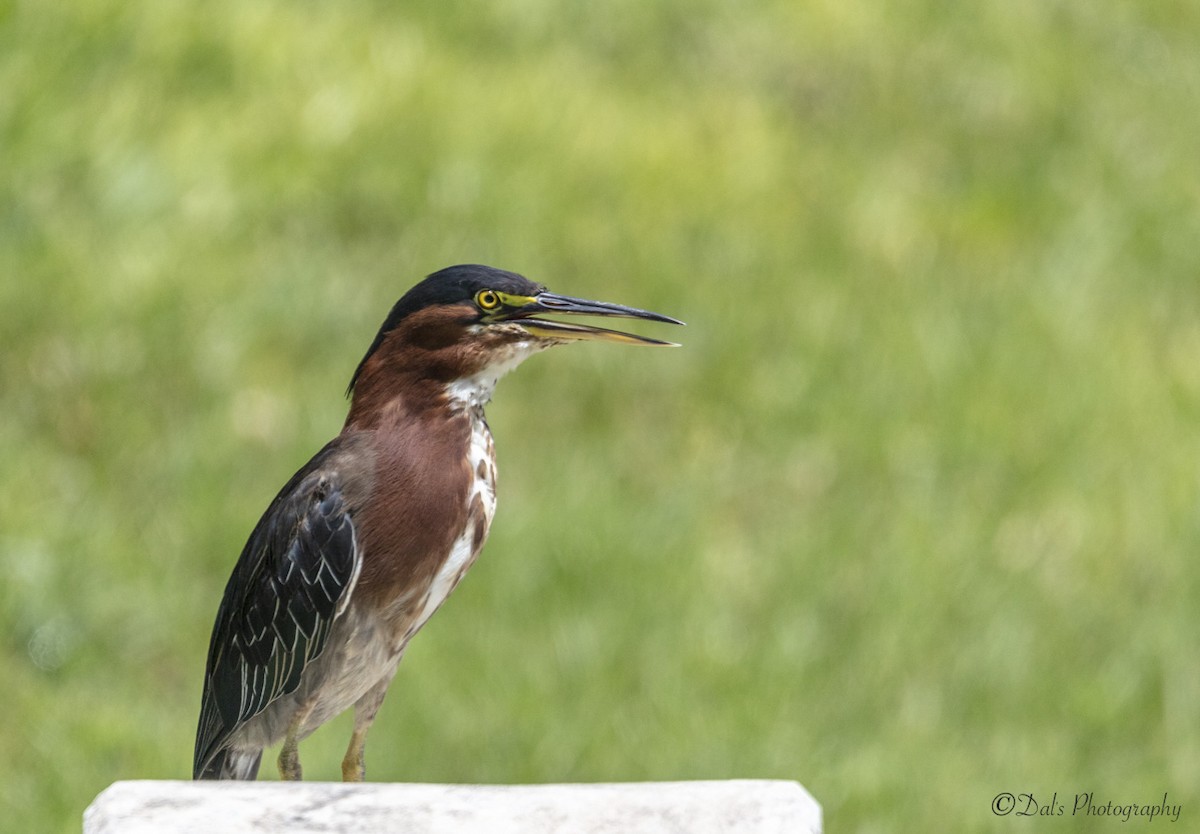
{"x": 293, "y": 579}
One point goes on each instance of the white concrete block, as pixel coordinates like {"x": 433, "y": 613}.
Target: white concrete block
{"x": 718, "y": 807}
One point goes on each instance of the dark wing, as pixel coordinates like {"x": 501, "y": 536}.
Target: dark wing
{"x": 293, "y": 578}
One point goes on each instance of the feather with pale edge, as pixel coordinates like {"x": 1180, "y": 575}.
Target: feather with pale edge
{"x": 290, "y": 583}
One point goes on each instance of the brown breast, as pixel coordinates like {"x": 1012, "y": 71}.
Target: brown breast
{"x": 424, "y": 493}
{"x": 420, "y": 506}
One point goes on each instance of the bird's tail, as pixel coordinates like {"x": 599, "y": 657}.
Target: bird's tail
{"x": 231, "y": 764}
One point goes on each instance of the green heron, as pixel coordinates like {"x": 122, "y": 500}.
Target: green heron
{"x": 368, "y": 539}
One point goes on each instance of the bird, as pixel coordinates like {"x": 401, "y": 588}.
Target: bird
{"x": 366, "y": 541}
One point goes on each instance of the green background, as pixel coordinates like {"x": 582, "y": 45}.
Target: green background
{"x": 911, "y": 517}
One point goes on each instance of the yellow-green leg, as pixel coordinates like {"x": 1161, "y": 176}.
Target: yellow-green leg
{"x": 289, "y": 756}
{"x": 354, "y": 765}
{"x": 289, "y": 760}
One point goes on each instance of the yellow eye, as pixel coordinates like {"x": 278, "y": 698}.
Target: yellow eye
{"x": 487, "y": 300}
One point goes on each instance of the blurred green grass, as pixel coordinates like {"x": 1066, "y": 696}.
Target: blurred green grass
{"x": 911, "y": 517}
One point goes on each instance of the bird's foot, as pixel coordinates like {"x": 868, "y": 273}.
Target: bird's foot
{"x": 354, "y": 765}
{"x": 289, "y": 762}
{"x": 353, "y": 771}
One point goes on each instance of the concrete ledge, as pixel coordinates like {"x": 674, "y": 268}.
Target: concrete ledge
{"x": 760, "y": 806}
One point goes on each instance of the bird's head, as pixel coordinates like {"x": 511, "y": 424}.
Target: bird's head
{"x": 474, "y": 323}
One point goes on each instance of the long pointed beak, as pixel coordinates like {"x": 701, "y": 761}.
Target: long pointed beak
{"x": 548, "y": 302}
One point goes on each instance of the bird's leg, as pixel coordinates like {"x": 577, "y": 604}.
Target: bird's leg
{"x": 289, "y": 755}
{"x": 354, "y": 766}
{"x": 289, "y": 759}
